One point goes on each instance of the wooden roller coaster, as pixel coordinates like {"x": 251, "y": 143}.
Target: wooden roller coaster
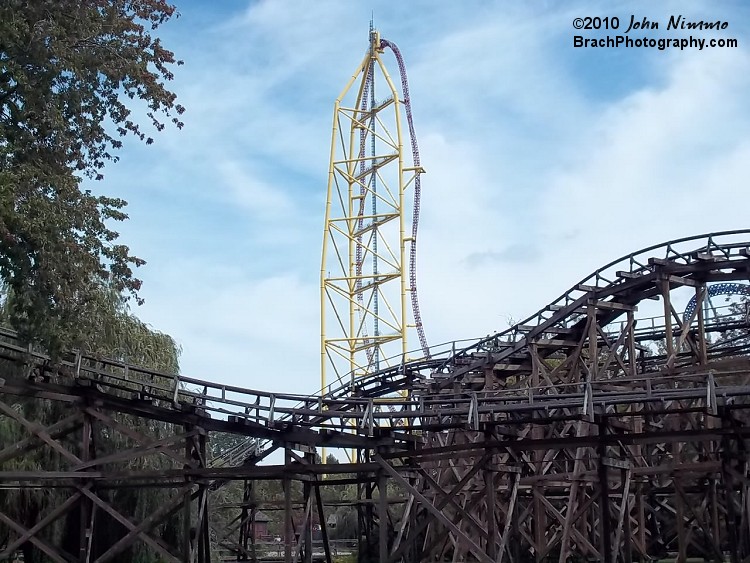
{"x": 606, "y": 427}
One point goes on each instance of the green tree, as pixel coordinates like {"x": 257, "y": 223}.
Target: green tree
{"x": 68, "y": 70}
{"x": 121, "y": 336}
{"x": 72, "y": 73}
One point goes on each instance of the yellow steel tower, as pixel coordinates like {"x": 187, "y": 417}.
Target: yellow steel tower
{"x": 364, "y": 283}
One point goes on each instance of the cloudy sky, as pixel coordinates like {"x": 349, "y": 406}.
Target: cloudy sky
{"x": 543, "y": 161}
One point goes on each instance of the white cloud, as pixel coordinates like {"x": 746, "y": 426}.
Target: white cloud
{"x": 258, "y": 333}
{"x": 249, "y": 191}
{"x": 648, "y": 167}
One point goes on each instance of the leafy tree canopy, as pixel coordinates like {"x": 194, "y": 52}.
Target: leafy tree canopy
{"x": 71, "y": 72}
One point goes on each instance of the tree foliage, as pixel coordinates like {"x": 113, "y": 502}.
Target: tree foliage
{"x": 77, "y": 77}
{"x": 71, "y": 73}
{"x": 122, "y": 336}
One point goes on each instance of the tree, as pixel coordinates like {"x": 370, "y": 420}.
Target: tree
{"x": 71, "y": 73}
{"x": 68, "y": 70}
{"x": 121, "y": 336}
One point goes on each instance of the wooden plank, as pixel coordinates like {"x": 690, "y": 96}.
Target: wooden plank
{"x": 705, "y": 256}
{"x": 38, "y": 431}
{"x": 630, "y": 275}
{"x": 451, "y": 500}
{"x": 509, "y": 516}
{"x": 460, "y": 535}
{"x": 49, "y": 551}
{"x": 622, "y": 515}
{"x": 53, "y": 515}
{"x": 613, "y": 305}
{"x": 678, "y": 280}
{"x": 57, "y": 430}
{"x": 141, "y": 530}
{"x": 548, "y": 330}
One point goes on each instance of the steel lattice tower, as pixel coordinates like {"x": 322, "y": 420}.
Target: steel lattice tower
{"x": 365, "y": 278}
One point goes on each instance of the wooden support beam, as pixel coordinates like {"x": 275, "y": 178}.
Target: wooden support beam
{"x": 39, "y": 432}
{"x": 424, "y": 523}
{"x": 55, "y": 554}
{"x": 509, "y": 516}
{"x": 53, "y": 515}
{"x": 701, "y": 293}
{"x": 490, "y": 502}
{"x": 288, "y": 522}
{"x": 605, "y": 516}
{"x": 623, "y": 518}
{"x": 87, "y": 510}
{"x": 58, "y": 430}
{"x": 307, "y": 492}
{"x": 665, "y": 295}
{"x": 323, "y": 524}
{"x": 452, "y": 501}
{"x": 383, "y": 518}
{"x": 139, "y": 531}
{"x": 458, "y": 533}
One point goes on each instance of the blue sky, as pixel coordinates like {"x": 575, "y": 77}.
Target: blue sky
{"x": 543, "y": 162}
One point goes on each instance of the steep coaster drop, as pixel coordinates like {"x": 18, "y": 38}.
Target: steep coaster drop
{"x": 364, "y": 276}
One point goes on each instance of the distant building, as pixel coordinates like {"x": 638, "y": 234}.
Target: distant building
{"x": 261, "y": 525}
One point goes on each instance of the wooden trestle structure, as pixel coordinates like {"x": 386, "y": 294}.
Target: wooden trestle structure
{"x": 606, "y": 427}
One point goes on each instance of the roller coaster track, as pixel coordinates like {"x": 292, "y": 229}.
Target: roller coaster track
{"x": 604, "y": 399}
{"x": 628, "y": 280}
{"x": 416, "y": 163}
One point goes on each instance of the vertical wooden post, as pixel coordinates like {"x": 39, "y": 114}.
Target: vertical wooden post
{"x": 383, "y": 517}
{"x": 204, "y": 543}
{"x": 605, "y": 516}
{"x": 679, "y": 521}
{"x": 667, "y": 316}
{"x": 640, "y": 514}
{"x": 490, "y": 500}
{"x": 186, "y": 519}
{"x": 632, "y": 358}
{"x": 288, "y": 522}
{"x": 700, "y": 297}
{"x": 86, "y": 535}
{"x": 250, "y": 530}
{"x": 593, "y": 341}
{"x": 510, "y": 520}
{"x": 537, "y": 489}
{"x": 365, "y": 510}
{"x": 728, "y": 482}
{"x": 323, "y": 524}
{"x": 714, "y": 507}
{"x": 307, "y": 502}
{"x": 627, "y": 530}
{"x": 361, "y": 529}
